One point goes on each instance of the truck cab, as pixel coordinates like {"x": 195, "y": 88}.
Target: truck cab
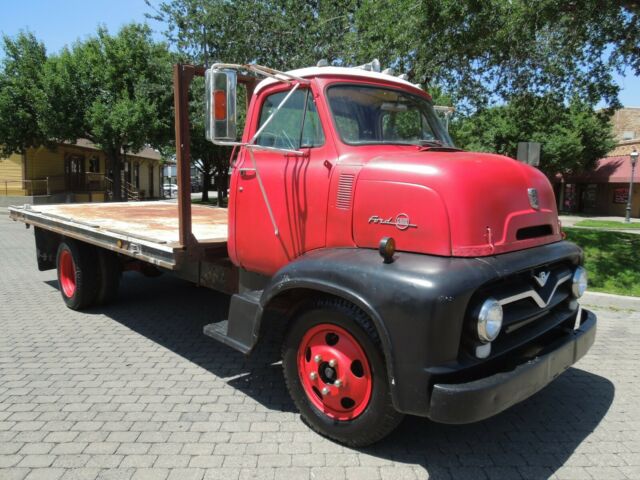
{"x": 473, "y": 304}
{"x": 374, "y": 161}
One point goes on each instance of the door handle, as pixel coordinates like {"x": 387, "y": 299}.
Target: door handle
{"x": 247, "y": 172}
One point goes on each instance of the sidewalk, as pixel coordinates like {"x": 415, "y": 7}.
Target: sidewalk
{"x": 609, "y": 300}
{"x": 571, "y": 221}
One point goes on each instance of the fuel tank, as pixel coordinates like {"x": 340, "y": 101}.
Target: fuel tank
{"x": 453, "y": 204}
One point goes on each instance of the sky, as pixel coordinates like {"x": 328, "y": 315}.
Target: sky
{"x": 60, "y": 22}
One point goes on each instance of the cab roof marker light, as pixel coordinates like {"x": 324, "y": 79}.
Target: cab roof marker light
{"x": 372, "y": 66}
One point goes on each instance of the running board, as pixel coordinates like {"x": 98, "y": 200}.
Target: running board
{"x": 241, "y": 330}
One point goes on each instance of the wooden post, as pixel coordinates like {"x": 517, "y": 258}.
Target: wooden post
{"x": 182, "y": 77}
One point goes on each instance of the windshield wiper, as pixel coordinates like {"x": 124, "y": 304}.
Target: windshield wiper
{"x": 429, "y": 144}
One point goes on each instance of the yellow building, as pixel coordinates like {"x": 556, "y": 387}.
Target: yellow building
{"x": 76, "y": 173}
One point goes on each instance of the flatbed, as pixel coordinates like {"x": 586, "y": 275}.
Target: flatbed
{"x": 145, "y": 230}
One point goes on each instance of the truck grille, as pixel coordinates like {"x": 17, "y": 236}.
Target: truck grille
{"x": 534, "y": 302}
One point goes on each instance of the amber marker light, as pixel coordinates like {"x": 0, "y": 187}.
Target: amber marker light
{"x": 220, "y": 102}
{"x": 387, "y": 248}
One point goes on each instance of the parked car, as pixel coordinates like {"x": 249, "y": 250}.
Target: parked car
{"x": 170, "y": 190}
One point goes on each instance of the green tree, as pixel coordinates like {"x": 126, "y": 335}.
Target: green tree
{"x": 20, "y": 91}
{"x": 573, "y": 136}
{"x": 114, "y": 90}
{"x": 487, "y": 50}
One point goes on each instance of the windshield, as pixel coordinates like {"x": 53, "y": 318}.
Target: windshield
{"x": 367, "y": 115}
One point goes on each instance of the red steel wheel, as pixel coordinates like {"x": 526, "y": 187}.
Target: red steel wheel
{"x": 67, "y": 273}
{"x": 77, "y": 273}
{"x": 335, "y": 372}
{"x": 336, "y": 375}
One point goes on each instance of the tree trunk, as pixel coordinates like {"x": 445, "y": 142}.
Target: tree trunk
{"x": 206, "y": 185}
{"x": 221, "y": 183}
{"x": 116, "y": 170}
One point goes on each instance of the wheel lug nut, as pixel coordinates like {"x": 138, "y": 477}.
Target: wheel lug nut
{"x": 325, "y": 391}
{"x": 313, "y": 375}
{"x": 338, "y": 383}
{"x": 332, "y": 363}
{"x": 317, "y": 359}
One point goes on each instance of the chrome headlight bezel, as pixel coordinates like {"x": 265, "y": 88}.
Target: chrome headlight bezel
{"x": 579, "y": 282}
{"x": 490, "y": 317}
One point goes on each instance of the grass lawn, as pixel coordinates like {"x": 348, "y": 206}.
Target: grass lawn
{"x": 608, "y": 224}
{"x": 612, "y": 260}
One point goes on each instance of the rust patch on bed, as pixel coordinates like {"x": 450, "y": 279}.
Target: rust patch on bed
{"x": 152, "y": 220}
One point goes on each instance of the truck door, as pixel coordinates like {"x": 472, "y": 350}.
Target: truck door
{"x": 295, "y": 186}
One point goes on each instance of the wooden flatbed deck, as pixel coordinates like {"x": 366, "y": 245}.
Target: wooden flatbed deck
{"x": 148, "y": 230}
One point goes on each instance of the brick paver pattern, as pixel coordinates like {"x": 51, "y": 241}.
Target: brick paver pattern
{"x": 135, "y": 391}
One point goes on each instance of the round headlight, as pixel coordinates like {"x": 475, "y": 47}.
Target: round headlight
{"x": 489, "y": 320}
{"x": 579, "y": 282}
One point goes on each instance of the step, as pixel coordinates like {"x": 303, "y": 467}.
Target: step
{"x": 240, "y": 331}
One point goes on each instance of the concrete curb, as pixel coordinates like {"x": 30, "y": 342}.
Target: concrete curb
{"x": 614, "y": 230}
{"x": 607, "y": 300}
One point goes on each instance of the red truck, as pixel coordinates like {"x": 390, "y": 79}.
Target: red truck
{"x": 415, "y": 277}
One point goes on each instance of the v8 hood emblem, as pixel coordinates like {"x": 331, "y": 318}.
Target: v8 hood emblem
{"x": 541, "y": 278}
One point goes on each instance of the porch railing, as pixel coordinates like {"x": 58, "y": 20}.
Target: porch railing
{"x": 23, "y": 187}
{"x": 89, "y": 182}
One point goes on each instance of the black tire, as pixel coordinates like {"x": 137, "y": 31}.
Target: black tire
{"x": 109, "y": 273}
{"x": 379, "y": 417}
{"x": 84, "y": 274}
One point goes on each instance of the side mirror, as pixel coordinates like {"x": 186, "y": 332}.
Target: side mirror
{"x": 220, "y": 93}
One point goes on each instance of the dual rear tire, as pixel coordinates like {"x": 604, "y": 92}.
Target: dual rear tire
{"x": 87, "y": 275}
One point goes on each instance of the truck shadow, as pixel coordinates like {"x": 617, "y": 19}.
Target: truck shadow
{"x": 531, "y": 440}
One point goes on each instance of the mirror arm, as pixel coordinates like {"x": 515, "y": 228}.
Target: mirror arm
{"x": 264, "y": 193}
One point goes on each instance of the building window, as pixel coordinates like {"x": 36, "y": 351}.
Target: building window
{"x": 94, "y": 164}
{"x": 621, "y": 195}
{"x": 590, "y": 196}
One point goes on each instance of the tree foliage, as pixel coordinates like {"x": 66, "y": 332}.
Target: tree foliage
{"x": 114, "y": 90}
{"x": 484, "y": 50}
{"x": 573, "y": 136}
{"x": 20, "y": 93}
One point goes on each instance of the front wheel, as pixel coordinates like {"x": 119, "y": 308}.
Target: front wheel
{"x": 336, "y": 375}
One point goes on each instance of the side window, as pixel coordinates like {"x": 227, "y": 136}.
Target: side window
{"x": 288, "y": 129}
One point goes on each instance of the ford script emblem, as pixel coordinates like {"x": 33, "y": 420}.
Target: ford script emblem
{"x": 401, "y": 221}
{"x": 533, "y": 198}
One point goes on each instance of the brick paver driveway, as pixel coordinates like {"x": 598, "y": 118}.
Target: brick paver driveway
{"x": 135, "y": 390}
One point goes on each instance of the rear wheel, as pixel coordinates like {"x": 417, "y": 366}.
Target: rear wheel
{"x": 77, "y": 274}
{"x": 336, "y": 375}
{"x": 109, "y": 273}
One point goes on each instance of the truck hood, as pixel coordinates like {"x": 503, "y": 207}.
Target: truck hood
{"x": 453, "y": 203}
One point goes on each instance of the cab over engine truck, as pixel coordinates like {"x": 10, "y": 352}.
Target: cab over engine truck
{"x": 415, "y": 277}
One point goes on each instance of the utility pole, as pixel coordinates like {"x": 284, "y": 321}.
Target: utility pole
{"x": 634, "y": 159}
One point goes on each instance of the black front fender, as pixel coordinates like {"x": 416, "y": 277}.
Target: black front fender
{"x": 417, "y": 304}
